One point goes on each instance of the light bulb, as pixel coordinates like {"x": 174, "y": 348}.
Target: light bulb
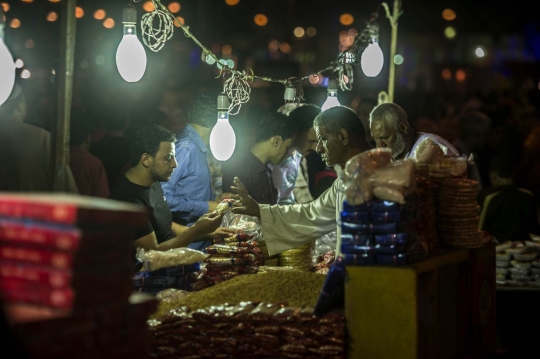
{"x": 130, "y": 56}
{"x": 331, "y": 99}
{"x": 7, "y": 66}
{"x": 372, "y": 60}
{"x": 222, "y": 137}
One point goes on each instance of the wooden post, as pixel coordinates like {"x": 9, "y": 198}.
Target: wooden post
{"x": 393, "y": 18}
{"x": 60, "y": 138}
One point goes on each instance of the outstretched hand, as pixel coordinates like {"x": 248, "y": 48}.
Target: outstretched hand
{"x": 246, "y": 205}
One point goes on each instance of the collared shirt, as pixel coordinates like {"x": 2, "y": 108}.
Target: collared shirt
{"x": 255, "y": 175}
{"x": 288, "y": 227}
{"x": 190, "y": 187}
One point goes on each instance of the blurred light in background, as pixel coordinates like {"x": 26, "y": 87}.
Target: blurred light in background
{"x": 6, "y": 6}
{"x": 314, "y": 79}
{"x": 260, "y": 19}
{"x": 449, "y": 32}
{"x": 15, "y": 23}
{"x": 460, "y": 75}
{"x": 174, "y": 7}
{"x": 148, "y": 6}
{"x": 108, "y": 23}
{"x": 28, "y": 1}
{"x": 398, "y": 59}
{"x": 285, "y": 48}
{"x": 226, "y": 50}
{"x": 221, "y": 63}
{"x": 230, "y": 63}
{"x": 479, "y": 51}
{"x": 210, "y": 60}
{"x": 25, "y": 74}
{"x": 29, "y": 44}
{"x": 311, "y": 31}
{"x": 55, "y": 1}
{"x": 232, "y": 2}
{"x": 273, "y": 45}
{"x": 449, "y": 14}
{"x": 100, "y": 14}
{"x": 299, "y": 32}
{"x": 100, "y": 60}
{"x": 446, "y": 74}
{"x": 181, "y": 20}
{"x": 346, "y": 19}
{"x": 79, "y": 12}
{"x": 19, "y": 63}
{"x": 52, "y": 16}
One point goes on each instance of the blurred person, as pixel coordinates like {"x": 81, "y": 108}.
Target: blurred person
{"x": 112, "y": 149}
{"x": 290, "y": 174}
{"x": 363, "y": 109}
{"x": 88, "y": 170}
{"x": 474, "y": 129}
{"x": 24, "y": 149}
{"x": 153, "y": 161}
{"x": 509, "y": 213}
{"x": 390, "y": 128}
{"x": 273, "y": 142}
{"x": 341, "y": 136}
{"x": 528, "y": 170}
{"x": 189, "y": 192}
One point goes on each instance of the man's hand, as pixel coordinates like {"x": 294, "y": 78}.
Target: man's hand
{"x": 221, "y": 232}
{"x": 246, "y": 204}
{"x": 224, "y": 195}
{"x": 207, "y": 224}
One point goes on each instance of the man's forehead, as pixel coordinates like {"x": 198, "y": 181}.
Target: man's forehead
{"x": 166, "y": 147}
{"x": 320, "y": 130}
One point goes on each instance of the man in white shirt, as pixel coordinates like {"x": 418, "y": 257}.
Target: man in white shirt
{"x": 390, "y": 129}
{"x": 340, "y": 136}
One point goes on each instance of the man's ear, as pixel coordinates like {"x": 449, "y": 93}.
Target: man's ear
{"x": 343, "y": 136}
{"x": 403, "y": 128}
{"x": 146, "y": 160}
{"x": 277, "y": 141}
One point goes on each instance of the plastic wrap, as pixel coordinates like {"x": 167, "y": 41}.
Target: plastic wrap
{"x": 154, "y": 260}
{"x": 171, "y": 295}
{"x": 247, "y": 225}
{"x": 371, "y": 175}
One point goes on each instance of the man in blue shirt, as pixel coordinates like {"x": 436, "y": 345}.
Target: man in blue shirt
{"x": 189, "y": 190}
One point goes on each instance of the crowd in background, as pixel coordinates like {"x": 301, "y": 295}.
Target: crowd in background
{"x": 479, "y": 123}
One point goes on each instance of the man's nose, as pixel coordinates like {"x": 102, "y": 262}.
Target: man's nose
{"x": 319, "y": 148}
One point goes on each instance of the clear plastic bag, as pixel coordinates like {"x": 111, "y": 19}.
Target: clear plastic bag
{"x": 242, "y": 223}
{"x": 154, "y": 260}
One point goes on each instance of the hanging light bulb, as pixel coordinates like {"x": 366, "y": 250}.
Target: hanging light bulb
{"x": 372, "y": 58}
{"x": 222, "y": 137}
{"x": 331, "y": 99}
{"x": 130, "y": 56}
{"x": 7, "y": 65}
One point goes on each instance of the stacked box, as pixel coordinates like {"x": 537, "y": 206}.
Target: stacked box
{"x": 378, "y": 232}
{"x": 65, "y": 262}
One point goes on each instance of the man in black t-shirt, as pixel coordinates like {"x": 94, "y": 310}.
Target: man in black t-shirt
{"x": 153, "y": 161}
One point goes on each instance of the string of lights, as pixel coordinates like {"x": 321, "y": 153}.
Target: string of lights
{"x": 236, "y": 83}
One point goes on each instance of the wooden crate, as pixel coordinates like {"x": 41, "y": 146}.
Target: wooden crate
{"x": 426, "y": 310}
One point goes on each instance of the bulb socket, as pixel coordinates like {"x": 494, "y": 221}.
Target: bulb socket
{"x": 332, "y": 85}
{"x": 290, "y": 94}
{"x": 129, "y": 15}
{"x": 222, "y": 102}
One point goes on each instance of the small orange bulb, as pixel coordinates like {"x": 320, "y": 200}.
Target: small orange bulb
{"x": 108, "y": 23}
{"x": 449, "y": 14}
{"x": 6, "y": 6}
{"x": 232, "y": 2}
{"x": 52, "y": 16}
{"x": 148, "y": 6}
{"x": 79, "y": 12}
{"x": 346, "y": 19}
{"x": 181, "y": 20}
{"x": 446, "y": 74}
{"x": 460, "y": 75}
{"x": 261, "y": 20}
{"x": 15, "y": 23}
{"x": 174, "y": 7}
{"x": 100, "y": 14}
